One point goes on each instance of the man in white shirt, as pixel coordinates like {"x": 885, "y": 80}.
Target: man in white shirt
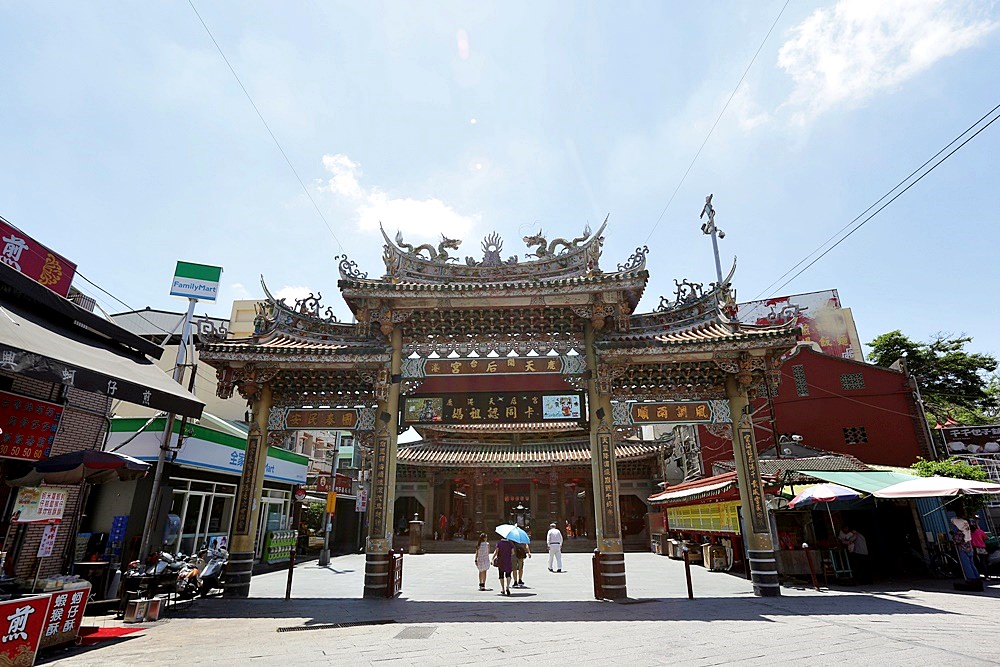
{"x": 554, "y": 539}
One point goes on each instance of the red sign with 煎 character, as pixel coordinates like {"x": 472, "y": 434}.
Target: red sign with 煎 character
{"x": 29, "y": 427}
{"x": 28, "y": 256}
{"x": 21, "y": 625}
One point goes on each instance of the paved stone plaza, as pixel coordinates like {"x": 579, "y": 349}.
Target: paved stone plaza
{"x": 442, "y": 618}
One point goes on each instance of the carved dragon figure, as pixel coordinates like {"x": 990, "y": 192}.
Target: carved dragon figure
{"x": 548, "y": 249}
{"x": 439, "y": 254}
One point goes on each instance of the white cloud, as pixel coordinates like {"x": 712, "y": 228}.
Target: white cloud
{"x": 425, "y": 218}
{"x": 240, "y": 292}
{"x": 858, "y": 48}
{"x": 292, "y": 292}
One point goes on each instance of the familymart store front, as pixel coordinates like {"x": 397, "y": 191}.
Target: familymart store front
{"x": 201, "y": 479}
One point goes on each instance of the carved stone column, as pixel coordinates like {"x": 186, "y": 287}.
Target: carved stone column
{"x": 757, "y": 530}
{"x": 553, "y": 499}
{"x": 478, "y": 479}
{"x": 604, "y": 470}
{"x": 244, "y": 535}
{"x": 383, "y": 491}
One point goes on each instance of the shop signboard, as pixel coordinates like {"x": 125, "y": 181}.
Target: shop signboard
{"x": 28, "y": 256}
{"x": 324, "y": 483}
{"x": 819, "y": 314}
{"x": 207, "y": 449}
{"x": 48, "y": 542}
{"x": 361, "y": 501}
{"x": 972, "y": 439}
{"x": 196, "y": 281}
{"x": 331, "y": 502}
{"x": 493, "y": 407}
{"x": 65, "y": 616}
{"x": 29, "y": 427}
{"x": 343, "y": 484}
{"x": 22, "y": 622}
{"x": 39, "y": 505}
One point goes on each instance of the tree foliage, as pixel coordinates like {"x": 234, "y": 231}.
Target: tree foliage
{"x": 953, "y": 382}
{"x": 950, "y": 467}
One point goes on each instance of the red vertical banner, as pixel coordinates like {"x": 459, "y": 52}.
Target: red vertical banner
{"x": 21, "y": 625}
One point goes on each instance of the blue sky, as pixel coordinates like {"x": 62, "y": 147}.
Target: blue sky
{"x": 126, "y": 144}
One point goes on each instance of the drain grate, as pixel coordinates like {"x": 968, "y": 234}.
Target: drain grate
{"x": 334, "y": 626}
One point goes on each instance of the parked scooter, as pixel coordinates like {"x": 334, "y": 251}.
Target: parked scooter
{"x": 212, "y": 566}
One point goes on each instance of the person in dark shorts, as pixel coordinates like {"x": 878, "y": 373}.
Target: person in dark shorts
{"x": 503, "y": 557}
{"x": 521, "y": 551}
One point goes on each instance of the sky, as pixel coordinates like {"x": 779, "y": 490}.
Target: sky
{"x": 127, "y": 144}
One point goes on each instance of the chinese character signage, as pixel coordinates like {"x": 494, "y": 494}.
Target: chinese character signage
{"x": 758, "y": 510}
{"x": 820, "y": 316}
{"x": 196, "y": 281}
{"x": 65, "y": 616}
{"x": 48, "y": 542}
{"x": 361, "y": 501}
{"x": 244, "y": 506}
{"x": 344, "y": 419}
{"x": 39, "y": 505}
{"x": 605, "y": 446}
{"x": 28, "y": 256}
{"x": 29, "y": 427}
{"x": 497, "y": 366}
{"x": 493, "y": 408}
{"x": 671, "y": 412}
{"x": 972, "y": 439}
{"x": 343, "y": 484}
{"x": 323, "y": 483}
{"x": 22, "y": 623}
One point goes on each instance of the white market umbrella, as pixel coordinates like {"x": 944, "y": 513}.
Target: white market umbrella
{"x": 933, "y": 487}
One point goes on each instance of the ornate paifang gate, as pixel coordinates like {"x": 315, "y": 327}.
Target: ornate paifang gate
{"x": 431, "y": 323}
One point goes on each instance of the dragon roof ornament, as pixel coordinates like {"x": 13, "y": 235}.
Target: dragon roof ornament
{"x": 306, "y": 319}
{"x": 692, "y": 304}
{"x": 557, "y": 259}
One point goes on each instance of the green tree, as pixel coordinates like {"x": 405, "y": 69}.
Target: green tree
{"x": 955, "y": 467}
{"x": 952, "y": 381}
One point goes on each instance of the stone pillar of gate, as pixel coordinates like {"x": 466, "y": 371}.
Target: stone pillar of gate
{"x": 478, "y": 478}
{"x": 604, "y": 470}
{"x": 553, "y": 507}
{"x": 244, "y": 536}
{"x": 380, "y": 505}
{"x": 756, "y": 527}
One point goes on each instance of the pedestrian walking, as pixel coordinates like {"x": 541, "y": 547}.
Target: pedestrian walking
{"x": 443, "y": 526}
{"x": 554, "y": 540}
{"x": 521, "y": 551}
{"x": 482, "y": 560}
{"x": 979, "y": 548}
{"x": 503, "y": 559}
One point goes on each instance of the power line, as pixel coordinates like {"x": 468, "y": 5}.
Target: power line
{"x": 726, "y": 106}
{"x": 896, "y": 196}
{"x": 267, "y": 127}
{"x": 877, "y": 202}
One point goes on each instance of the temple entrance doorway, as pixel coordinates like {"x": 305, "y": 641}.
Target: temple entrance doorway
{"x": 633, "y": 515}
{"x": 404, "y": 510}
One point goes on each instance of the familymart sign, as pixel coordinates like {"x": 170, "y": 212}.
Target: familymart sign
{"x": 196, "y": 281}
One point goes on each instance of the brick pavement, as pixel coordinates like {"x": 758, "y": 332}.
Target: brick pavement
{"x": 442, "y": 619}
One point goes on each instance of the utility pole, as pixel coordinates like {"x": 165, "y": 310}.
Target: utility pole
{"x": 161, "y": 461}
{"x": 709, "y": 228}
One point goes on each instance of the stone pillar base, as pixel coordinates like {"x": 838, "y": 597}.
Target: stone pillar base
{"x": 609, "y": 576}
{"x": 238, "y": 572}
{"x": 376, "y": 575}
{"x": 764, "y": 573}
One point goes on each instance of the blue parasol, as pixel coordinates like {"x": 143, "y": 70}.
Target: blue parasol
{"x": 513, "y": 533}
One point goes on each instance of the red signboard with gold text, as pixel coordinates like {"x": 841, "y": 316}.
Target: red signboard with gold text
{"x": 21, "y": 252}
{"x": 21, "y": 625}
{"x": 29, "y": 427}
